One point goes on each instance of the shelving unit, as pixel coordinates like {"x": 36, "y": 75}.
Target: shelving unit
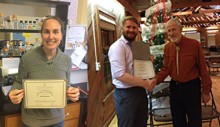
{"x": 19, "y": 31}
{"x": 61, "y": 12}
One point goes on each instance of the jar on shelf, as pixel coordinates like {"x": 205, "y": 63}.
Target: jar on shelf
{"x": 30, "y": 25}
{"x": 37, "y": 43}
{"x": 14, "y": 21}
{"x": 28, "y": 46}
{"x": 25, "y": 26}
{"x": 5, "y": 46}
{"x": 11, "y": 49}
{"x": 21, "y": 25}
{"x": 8, "y": 24}
{"x": 20, "y": 48}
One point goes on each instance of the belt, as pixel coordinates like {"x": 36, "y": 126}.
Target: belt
{"x": 129, "y": 88}
{"x": 181, "y": 83}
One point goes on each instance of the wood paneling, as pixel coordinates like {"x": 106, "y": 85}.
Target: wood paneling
{"x": 131, "y": 9}
{"x": 100, "y": 100}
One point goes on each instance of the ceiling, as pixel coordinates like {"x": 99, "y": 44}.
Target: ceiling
{"x": 192, "y": 13}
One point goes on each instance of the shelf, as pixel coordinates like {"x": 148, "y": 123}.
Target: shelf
{"x": 10, "y": 57}
{"x": 19, "y": 31}
{"x": 37, "y": 2}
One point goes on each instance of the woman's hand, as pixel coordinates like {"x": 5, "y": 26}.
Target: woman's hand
{"x": 73, "y": 93}
{"x": 16, "y": 96}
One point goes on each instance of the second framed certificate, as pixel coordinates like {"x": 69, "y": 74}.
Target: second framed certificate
{"x": 44, "y": 93}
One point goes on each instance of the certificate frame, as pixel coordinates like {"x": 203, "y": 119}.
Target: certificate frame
{"x": 144, "y": 69}
{"x": 42, "y": 94}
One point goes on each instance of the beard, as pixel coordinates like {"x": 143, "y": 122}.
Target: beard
{"x": 175, "y": 39}
{"x": 129, "y": 38}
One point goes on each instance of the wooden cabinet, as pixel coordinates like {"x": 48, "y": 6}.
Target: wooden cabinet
{"x": 72, "y": 115}
{"x": 13, "y": 120}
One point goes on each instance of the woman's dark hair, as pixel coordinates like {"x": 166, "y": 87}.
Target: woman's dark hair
{"x": 55, "y": 18}
{"x": 61, "y": 46}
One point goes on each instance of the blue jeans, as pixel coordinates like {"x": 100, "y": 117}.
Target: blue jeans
{"x": 61, "y": 124}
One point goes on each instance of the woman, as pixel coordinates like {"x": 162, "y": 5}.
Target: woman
{"x": 44, "y": 62}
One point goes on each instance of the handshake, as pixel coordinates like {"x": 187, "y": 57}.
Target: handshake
{"x": 151, "y": 84}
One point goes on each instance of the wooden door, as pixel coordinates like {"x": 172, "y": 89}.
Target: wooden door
{"x": 101, "y": 34}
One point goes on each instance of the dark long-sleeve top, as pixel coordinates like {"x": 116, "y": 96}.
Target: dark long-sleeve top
{"x": 191, "y": 63}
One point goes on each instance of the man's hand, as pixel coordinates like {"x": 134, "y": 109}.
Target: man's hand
{"x": 73, "y": 93}
{"x": 16, "y": 96}
{"x": 152, "y": 58}
{"x": 205, "y": 98}
{"x": 152, "y": 84}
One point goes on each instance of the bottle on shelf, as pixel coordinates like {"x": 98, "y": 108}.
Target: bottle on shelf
{"x": 25, "y": 25}
{"x": 8, "y": 24}
{"x": 34, "y": 25}
{"x": 5, "y": 48}
{"x": 16, "y": 53}
{"x": 21, "y": 25}
{"x": 14, "y": 21}
{"x": 37, "y": 43}
{"x": 11, "y": 49}
{"x": 37, "y": 24}
{"x": 30, "y": 25}
{"x": 20, "y": 48}
{"x": 28, "y": 46}
{"x": 5, "y": 51}
{"x": 2, "y": 26}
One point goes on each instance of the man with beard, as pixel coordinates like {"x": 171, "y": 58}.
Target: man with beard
{"x": 184, "y": 62}
{"x": 130, "y": 96}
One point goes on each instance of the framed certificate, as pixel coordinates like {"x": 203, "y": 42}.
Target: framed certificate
{"x": 44, "y": 93}
{"x": 143, "y": 69}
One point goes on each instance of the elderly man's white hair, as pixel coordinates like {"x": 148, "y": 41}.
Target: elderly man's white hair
{"x": 176, "y": 20}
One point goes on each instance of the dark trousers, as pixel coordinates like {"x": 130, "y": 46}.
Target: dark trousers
{"x": 61, "y": 124}
{"x": 131, "y": 107}
{"x": 185, "y": 102}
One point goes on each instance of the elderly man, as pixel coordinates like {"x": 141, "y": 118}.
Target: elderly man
{"x": 185, "y": 63}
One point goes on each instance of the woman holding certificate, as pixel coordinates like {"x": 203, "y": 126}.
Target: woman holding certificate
{"x": 44, "y": 63}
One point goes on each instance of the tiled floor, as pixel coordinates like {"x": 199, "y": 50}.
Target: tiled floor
{"x": 216, "y": 93}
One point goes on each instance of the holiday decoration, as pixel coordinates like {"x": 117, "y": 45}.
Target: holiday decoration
{"x": 153, "y": 33}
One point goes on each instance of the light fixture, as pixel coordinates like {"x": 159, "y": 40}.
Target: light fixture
{"x": 212, "y": 31}
{"x": 212, "y": 28}
{"x": 189, "y": 30}
{"x": 211, "y": 35}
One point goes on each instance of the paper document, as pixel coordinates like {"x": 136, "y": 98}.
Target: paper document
{"x": 44, "y": 93}
{"x": 6, "y": 89}
{"x": 8, "y": 63}
{"x": 78, "y": 55}
{"x": 143, "y": 69}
